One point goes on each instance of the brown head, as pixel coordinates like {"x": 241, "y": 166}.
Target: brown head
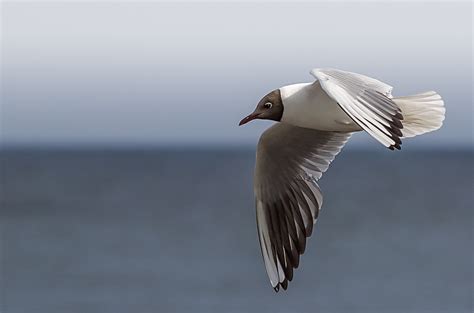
{"x": 269, "y": 108}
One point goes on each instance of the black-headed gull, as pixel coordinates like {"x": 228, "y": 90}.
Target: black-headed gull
{"x": 315, "y": 121}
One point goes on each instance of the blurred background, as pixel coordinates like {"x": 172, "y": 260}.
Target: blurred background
{"x": 126, "y": 184}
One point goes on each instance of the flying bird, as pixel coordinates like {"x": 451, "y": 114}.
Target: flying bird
{"x": 315, "y": 120}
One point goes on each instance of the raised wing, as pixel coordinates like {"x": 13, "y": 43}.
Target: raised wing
{"x": 367, "y": 101}
{"x": 290, "y": 160}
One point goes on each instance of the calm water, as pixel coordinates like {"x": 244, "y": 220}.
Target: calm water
{"x": 174, "y": 231}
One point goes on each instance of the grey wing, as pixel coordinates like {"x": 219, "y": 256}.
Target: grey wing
{"x": 290, "y": 160}
{"x": 367, "y": 101}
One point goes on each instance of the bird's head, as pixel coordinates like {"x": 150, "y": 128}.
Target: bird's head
{"x": 270, "y": 107}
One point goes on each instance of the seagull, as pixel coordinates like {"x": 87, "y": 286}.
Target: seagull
{"x": 315, "y": 120}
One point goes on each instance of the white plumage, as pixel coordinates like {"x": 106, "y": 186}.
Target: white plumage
{"x": 422, "y": 113}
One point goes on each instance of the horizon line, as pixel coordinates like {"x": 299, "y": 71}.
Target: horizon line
{"x": 202, "y": 146}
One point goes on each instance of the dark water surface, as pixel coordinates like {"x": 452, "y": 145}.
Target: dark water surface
{"x": 174, "y": 231}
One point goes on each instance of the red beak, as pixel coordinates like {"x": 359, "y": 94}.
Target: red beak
{"x": 249, "y": 118}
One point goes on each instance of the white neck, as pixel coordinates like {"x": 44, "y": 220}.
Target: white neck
{"x": 292, "y": 96}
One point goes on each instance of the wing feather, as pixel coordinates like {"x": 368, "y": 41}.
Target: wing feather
{"x": 367, "y": 101}
{"x": 290, "y": 160}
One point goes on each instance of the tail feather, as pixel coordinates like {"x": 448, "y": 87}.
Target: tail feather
{"x": 422, "y": 113}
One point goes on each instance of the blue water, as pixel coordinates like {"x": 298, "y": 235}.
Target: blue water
{"x": 174, "y": 231}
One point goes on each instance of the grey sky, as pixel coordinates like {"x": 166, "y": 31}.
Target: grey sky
{"x": 166, "y": 73}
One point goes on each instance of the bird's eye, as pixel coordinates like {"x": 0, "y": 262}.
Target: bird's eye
{"x": 267, "y": 105}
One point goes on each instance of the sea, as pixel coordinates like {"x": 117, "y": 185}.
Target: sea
{"x": 173, "y": 230}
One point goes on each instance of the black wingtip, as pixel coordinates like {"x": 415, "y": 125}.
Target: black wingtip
{"x": 283, "y": 285}
{"x": 395, "y": 146}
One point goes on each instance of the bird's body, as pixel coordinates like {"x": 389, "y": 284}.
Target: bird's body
{"x": 315, "y": 120}
{"x": 308, "y": 105}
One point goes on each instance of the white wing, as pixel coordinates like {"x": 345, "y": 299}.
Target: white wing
{"x": 290, "y": 160}
{"x": 367, "y": 101}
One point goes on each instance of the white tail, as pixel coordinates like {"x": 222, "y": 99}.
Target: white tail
{"x": 422, "y": 113}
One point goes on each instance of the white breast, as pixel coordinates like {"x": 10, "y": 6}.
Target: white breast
{"x": 307, "y": 105}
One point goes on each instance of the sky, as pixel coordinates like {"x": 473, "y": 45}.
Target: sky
{"x": 162, "y": 73}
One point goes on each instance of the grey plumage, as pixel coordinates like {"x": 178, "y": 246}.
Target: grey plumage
{"x": 290, "y": 160}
